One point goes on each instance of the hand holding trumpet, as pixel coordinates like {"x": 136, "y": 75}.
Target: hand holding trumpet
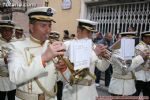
{"x": 145, "y": 54}
{"x": 60, "y": 65}
{"x": 53, "y": 50}
{"x": 101, "y": 50}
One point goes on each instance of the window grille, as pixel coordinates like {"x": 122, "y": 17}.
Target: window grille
{"x": 117, "y": 18}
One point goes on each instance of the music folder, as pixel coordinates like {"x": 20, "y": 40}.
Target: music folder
{"x": 126, "y": 47}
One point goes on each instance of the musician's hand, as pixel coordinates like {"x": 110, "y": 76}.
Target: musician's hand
{"x": 53, "y": 50}
{"x": 100, "y": 50}
{"x": 145, "y": 54}
{"x": 61, "y": 66}
{"x": 106, "y": 56}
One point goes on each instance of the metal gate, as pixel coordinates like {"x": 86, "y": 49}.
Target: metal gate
{"x": 117, "y": 18}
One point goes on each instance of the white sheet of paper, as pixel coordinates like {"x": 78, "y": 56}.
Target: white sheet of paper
{"x": 80, "y": 53}
{"x": 127, "y": 48}
{"x": 71, "y": 50}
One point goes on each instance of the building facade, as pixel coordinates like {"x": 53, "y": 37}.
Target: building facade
{"x": 66, "y": 18}
{"x": 112, "y": 15}
{"x": 118, "y": 15}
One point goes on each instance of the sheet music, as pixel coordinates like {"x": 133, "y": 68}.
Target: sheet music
{"x": 127, "y": 48}
{"x": 80, "y": 53}
{"x": 71, "y": 50}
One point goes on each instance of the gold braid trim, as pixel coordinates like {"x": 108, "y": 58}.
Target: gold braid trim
{"x": 50, "y": 94}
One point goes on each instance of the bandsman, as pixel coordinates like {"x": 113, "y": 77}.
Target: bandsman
{"x": 143, "y": 73}
{"x": 85, "y": 89}
{"x": 123, "y": 79}
{"x": 7, "y": 88}
{"x": 31, "y": 61}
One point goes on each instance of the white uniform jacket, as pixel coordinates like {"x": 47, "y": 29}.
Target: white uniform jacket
{"x": 5, "y": 83}
{"x": 144, "y": 73}
{"x": 81, "y": 92}
{"x": 25, "y": 65}
{"x": 123, "y": 84}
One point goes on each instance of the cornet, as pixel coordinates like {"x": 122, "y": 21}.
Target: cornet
{"x": 4, "y": 51}
{"x": 123, "y": 63}
{"x": 107, "y": 58}
{"x": 76, "y": 75}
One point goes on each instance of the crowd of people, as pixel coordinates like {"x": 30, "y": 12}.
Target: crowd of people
{"x": 34, "y": 68}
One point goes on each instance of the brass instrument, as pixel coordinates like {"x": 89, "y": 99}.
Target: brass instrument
{"x": 54, "y": 36}
{"x": 109, "y": 54}
{"x": 115, "y": 46}
{"x": 4, "y": 51}
{"x": 123, "y": 63}
{"x": 76, "y": 75}
{"x": 3, "y": 55}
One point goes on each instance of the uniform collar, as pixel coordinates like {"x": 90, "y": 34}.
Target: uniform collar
{"x": 35, "y": 40}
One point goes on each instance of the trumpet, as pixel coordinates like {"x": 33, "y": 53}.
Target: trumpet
{"x": 4, "y": 52}
{"x": 107, "y": 57}
{"x": 76, "y": 75}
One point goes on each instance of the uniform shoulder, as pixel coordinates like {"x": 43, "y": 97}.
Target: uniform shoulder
{"x": 141, "y": 46}
{"x": 18, "y": 44}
